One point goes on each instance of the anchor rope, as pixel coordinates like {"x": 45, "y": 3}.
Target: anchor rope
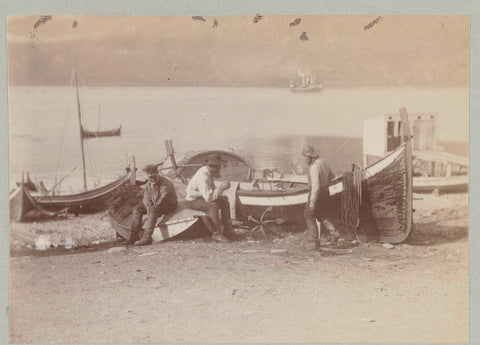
{"x": 352, "y": 197}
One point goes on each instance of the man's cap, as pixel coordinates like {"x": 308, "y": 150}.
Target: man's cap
{"x": 150, "y": 168}
{"x": 215, "y": 159}
{"x": 309, "y": 151}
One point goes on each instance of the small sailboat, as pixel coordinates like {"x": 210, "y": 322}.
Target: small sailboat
{"x": 86, "y": 201}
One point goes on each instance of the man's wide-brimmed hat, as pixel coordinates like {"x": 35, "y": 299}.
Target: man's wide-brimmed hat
{"x": 215, "y": 159}
{"x": 150, "y": 168}
{"x": 309, "y": 151}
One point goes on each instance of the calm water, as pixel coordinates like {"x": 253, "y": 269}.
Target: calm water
{"x": 268, "y": 126}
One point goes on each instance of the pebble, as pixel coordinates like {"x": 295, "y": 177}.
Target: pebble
{"x": 278, "y": 251}
{"x": 117, "y": 250}
{"x": 148, "y": 254}
{"x": 388, "y": 246}
{"x": 250, "y": 251}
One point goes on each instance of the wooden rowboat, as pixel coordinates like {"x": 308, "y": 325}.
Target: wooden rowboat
{"x": 385, "y": 212}
{"x": 87, "y": 201}
{"x": 20, "y": 204}
{"x": 442, "y": 184}
{"x": 93, "y": 200}
{"x": 168, "y": 227}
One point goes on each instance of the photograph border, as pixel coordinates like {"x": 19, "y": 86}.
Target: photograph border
{"x": 251, "y": 7}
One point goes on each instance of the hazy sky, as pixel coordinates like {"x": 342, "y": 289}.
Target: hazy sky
{"x": 180, "y": 51}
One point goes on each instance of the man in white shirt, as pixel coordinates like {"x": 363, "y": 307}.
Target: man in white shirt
{"x": 203, "y": 195}
{"x": 320, "y": 174}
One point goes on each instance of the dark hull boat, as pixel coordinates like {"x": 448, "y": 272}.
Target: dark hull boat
{"x": 20, "y": 204}
{"x": 91, "y": 201}
{"x": 23, "y": 201}
{"x": 87, "y": 201}
{"x": 97, "y": 134}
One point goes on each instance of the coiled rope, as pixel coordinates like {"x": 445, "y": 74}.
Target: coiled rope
{"x": 352, "y": 197}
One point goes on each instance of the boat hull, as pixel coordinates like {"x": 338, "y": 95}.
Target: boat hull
{"x": 453, "y": 184}
{"x": 286, "y": 205}
{"x": 98, "y": 134}
{"x": 20, "y": 204}
{"x": 91, "y": 201}
{"x": 306, "y": 89}
{"x": 174, "y": 224}
{"x": 385, "y": 213}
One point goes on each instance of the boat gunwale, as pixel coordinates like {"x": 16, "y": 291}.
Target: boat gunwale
{"x": 86, "y": 195}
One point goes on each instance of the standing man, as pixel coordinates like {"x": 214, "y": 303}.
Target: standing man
{"x": 159, "y": 198}
{"x": 319, "y": 174}
{"x": 202, "y": 195}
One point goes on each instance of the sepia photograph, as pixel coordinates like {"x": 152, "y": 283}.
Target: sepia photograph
{"x": 238, "y": 178}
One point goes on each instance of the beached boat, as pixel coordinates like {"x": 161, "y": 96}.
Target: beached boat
{"x": 20, "y": 203}
{"x": 433, "y": 169}
{"x": 385, "y": 211}
{"x": 442, "y": 184}
{"x": 168, "y": 227}
{"x": 88, "y": 200}
{"x": 235, "y": 167}
{"x": 440, "y": 172}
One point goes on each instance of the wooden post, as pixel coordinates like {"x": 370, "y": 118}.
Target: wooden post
{"x": 408, "y": 159}
{"x": 171, "y": 153}
{"x": 134, "y": 167}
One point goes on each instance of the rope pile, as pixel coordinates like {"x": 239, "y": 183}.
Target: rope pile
{"x": 352, "y": 196}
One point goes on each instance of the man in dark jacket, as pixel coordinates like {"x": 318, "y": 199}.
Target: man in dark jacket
{"x": 159, "y": 198}
{"x": 320, "y": 174}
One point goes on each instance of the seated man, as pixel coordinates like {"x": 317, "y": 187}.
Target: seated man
{"x": 159, "y": 198}
{"x": 319, "y": 174}
{"x": 202, "y": 195}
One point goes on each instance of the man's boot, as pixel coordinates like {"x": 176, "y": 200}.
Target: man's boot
{"x": 146, "y": 239}
{"x": 334, "y": 233}
{"x": 229, "y": 232}
{"x": 132, "y": 239}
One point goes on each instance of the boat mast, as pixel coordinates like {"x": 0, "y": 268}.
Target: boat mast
{"x": 81, "y": 133}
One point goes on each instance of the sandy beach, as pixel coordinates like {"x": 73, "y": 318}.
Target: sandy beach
{"x": 194, "y": 290}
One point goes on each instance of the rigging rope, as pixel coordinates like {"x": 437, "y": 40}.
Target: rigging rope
{"x": 338, "y": 148}
{"x": 92, "y": 163}
{"x": 352, "y": 197}
{"x": 60, "y": 160}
